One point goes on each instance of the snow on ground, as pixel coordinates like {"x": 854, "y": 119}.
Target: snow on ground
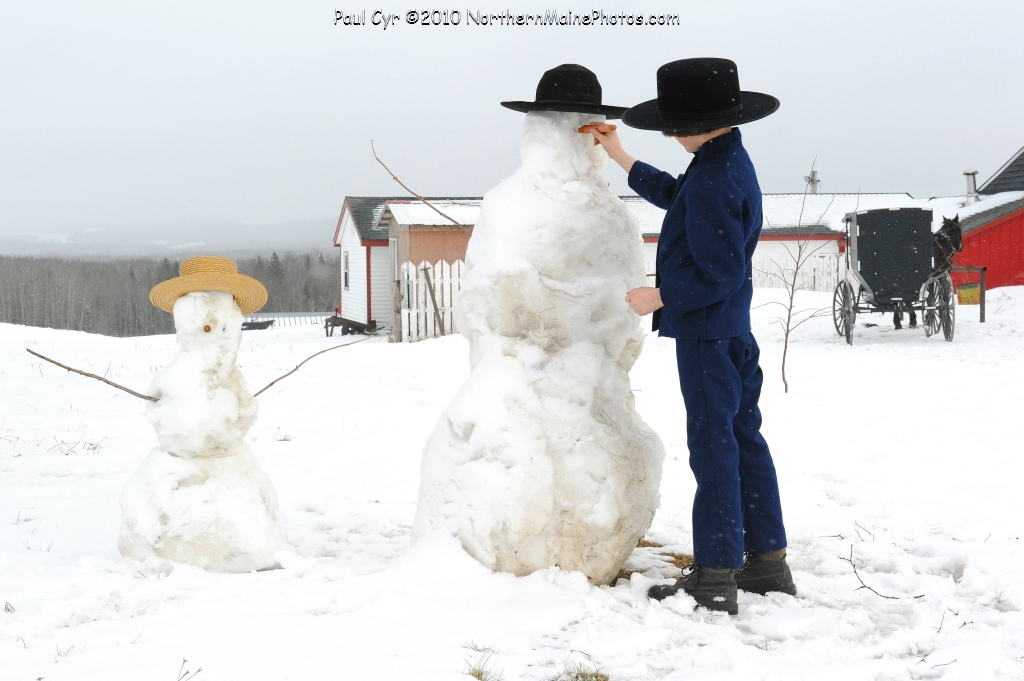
{"x": 901, "y": 449}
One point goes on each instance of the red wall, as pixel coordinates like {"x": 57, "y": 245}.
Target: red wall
{"x": 999, "y": 246}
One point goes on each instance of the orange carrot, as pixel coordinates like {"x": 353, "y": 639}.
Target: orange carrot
{"x": 600, "y": 127}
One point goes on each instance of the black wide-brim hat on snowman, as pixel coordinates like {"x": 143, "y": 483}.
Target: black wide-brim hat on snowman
{"x": 570, "y": 88}
{"x": 699, "y": 94}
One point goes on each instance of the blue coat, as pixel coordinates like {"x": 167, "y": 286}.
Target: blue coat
{"x": 707, "y": 240}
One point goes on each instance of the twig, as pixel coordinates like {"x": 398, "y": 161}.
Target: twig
{"x": 430, "y": 205}
{"x": 865, "y": 529}
{"x": 184, "y": 675}
{"x": 862, "y": 584}
{"x": 98, "y": 378}
{"x": 345, "y": 345}
{"x": 943, "y": 664}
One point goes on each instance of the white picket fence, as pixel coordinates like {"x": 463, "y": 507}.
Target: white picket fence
{"x": 821, "y": 272}
{"x": 421, "y": 311}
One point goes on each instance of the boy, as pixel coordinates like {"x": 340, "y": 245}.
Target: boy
{"x": 702, "y": 299}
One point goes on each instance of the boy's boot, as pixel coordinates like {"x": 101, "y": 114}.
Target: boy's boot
{"x": 764, "y": 572}
{"x": 712, "y": 589}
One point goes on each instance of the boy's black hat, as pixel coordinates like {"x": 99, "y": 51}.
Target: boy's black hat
{"x": 699, "y": 94}
{"x": 569, "y": 87}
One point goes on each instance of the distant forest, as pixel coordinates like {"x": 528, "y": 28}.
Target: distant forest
{"x": 111, "y": 297}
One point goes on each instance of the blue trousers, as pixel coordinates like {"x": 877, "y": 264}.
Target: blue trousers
{"x": 737, "y": 507}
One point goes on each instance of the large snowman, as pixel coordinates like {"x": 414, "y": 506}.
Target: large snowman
{"x": 201, "y": 497}
{"x": 541, "y": 459}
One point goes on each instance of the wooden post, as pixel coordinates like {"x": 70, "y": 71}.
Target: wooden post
{"x": 433, "y": 301}
{"x": 982, "y": 294}
{"x": 981, "y": 286}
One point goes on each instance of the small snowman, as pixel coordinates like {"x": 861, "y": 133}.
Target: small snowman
{"x": 201, "y": 497}
{"x": 541, "y": 458}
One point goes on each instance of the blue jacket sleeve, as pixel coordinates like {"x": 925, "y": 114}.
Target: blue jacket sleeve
{"x": 653, "y": 185}
{"x": 714, "y": 222}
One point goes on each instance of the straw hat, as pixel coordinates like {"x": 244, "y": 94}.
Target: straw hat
{"x": 210, "y": 273}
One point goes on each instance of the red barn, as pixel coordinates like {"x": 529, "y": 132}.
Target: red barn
{"x": 994, "y": 238}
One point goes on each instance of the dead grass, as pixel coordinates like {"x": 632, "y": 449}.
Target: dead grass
{"x": 483, "y": 668}
{"x": 680, "y": 560}
{"x": 582, "y": 673}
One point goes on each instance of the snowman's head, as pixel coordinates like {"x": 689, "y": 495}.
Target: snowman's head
{"x": 208, "y": 320}
{"x": 552, "y": 144}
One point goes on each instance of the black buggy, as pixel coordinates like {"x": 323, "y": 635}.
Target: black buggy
{"x": 895, "y": 264}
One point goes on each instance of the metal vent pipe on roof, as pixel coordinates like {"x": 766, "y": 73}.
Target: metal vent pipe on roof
{"x": 972, "y": 187}
{"x": 812, "y": 182}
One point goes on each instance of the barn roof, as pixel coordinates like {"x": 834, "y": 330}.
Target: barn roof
{"x": 1009, "y": 178}
{"x": 976, "y": 220}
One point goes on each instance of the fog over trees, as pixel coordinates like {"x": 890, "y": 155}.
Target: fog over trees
{"x": 111, "y": 297}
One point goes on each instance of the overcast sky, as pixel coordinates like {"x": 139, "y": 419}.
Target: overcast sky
{"x": 135, "y": 113}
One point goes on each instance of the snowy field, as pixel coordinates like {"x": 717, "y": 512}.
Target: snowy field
{"x": 902, "y": 452}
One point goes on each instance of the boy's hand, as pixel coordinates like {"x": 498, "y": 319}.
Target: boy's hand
{"x": 610, "y": 141}
{"x": 645, "y": 300}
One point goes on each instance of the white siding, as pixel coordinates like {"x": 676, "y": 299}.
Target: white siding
{"x": 820, "y": 273}
{"x": 380, "y": 285}
{"x": 777, "y": 250}
{"x": 353, "y": 299}
{"x": 650, "y": 252}
{"x": 823, "y": 266}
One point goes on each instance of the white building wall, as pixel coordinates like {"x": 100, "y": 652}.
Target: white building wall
{"x": 650, "y": 252}
{"x": 380, "y": 286}
{"x": 353, "y": 298}
{"x": 777, "y": 250}
{"x": 823, "y": 264}
{"x": 820, "y": 272}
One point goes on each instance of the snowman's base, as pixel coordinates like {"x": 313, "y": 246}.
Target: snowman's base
{"x": 219, "y": 514}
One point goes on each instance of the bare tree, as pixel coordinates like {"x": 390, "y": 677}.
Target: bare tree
{"x": 788, "y": 275}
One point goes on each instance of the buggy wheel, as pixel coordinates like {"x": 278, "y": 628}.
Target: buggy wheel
{"x": 932, "y": 321}
{"x": 947, "y": 306}
{"x": 844, "y": 312}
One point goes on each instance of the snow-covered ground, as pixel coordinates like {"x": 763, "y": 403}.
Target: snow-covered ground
{"x": 902, "y": 452}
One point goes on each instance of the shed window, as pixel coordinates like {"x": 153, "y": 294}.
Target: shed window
{"x": 344, "y": 269}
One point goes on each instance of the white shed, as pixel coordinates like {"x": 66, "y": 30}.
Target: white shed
{"x": 365, "y": 263}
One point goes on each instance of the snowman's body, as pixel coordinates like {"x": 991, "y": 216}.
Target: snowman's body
{"x": 541, "y": 458}
{"x": 201, "y": 497}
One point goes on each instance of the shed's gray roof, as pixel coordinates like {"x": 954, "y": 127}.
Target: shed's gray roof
{"x": 1009, "y": 178}
{"x": 977, "y": 220}
{"x": 366, "y": 212}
